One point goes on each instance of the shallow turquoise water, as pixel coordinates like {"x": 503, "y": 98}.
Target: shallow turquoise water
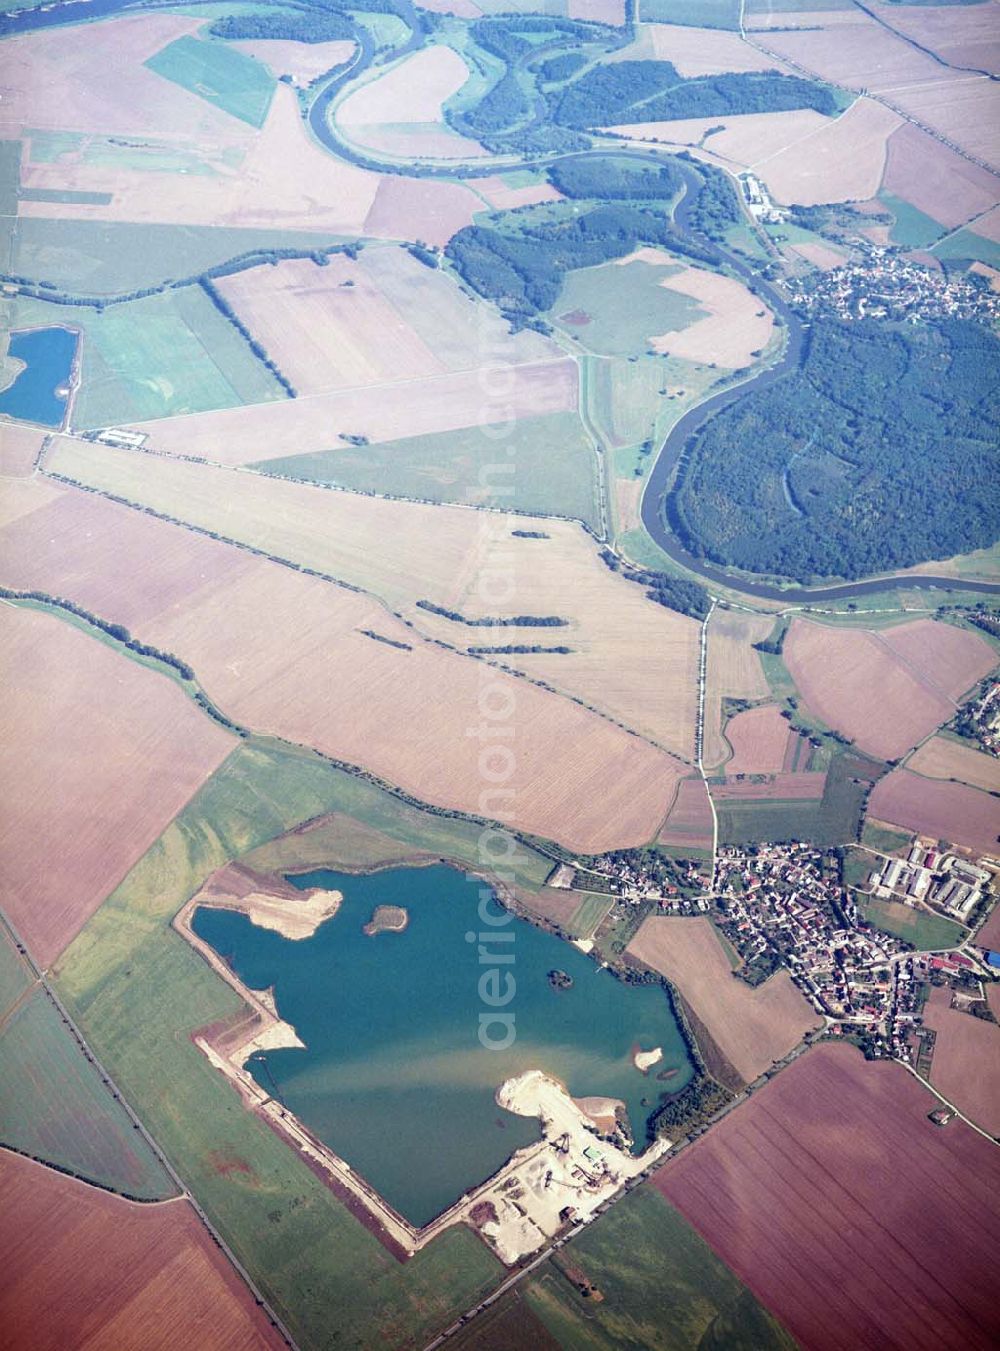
{"x": 48, "y": 354}
{"x": 394, "y": 1077}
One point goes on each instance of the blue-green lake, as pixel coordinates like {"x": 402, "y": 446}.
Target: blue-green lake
{"x": 40, "y": 392}
{"x": 395, "y": 1077}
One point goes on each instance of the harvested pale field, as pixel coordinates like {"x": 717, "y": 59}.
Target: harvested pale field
{"x": 942, "y": 758}
{"x": 690, "y": 824}
{"x": 462, "y": 9}
{"x": 860, "y": 55}
{"x": 598, "y": 11}
{"x": 628, "y": 495}
{"x": 18, "y": 448}
{"x": 951, "y": 659}
{"x": 852, "y": 1217}
{"x": 630, "y": 658}
{"x": 936, "y": 180}
{"x": 820, "y": 255}
{"x": 419, "y": 208}
{"x": 22, "y": 496}
{"x": 59, "y": 77}
{"x": 84, "y": 1268}
{"x": 886, "y": 691}
{"x": 988, "y": 226}
{"x": 809, "y": 15}
{"x": 966, "y": 111}
{"x": 401, "y": 111}
{"x": 100, "y": 755}
{"x": 706, "y": 51}
{"x": 779, "y": 787}
{"x": 759, "y": 738}
{"x": 327, "y": 327}
{"x": 738, "y": 325}
{"x": 751, "y": 1027}
{"x": 233, "y": 436}
{"x": 963, "y": 35}
{"x": 939, "y": 809}
{"x": 504, "y": 198}
{"x": 745, "y": 138}
{"x": 844, "y": 160}
{"x": 966, "y": 1062}
{"x": 413, "y": 90}
{"x": 303, "y": 61}
{"x": 733, "y": 671}
{"x": 286, "y": 654}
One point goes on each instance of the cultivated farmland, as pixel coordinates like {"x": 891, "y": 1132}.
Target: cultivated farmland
{"x": 822, "y": 1171}
{"x": 943, "y": 758}
{"x": 759, "y": 738}
{"x": 966, "y": 1063}
{"x": 304, "y": 62}
{"x": 751, "y": 1027}
{"x": 935, "y": 179}
{"x": 105, "y": 748}
{"x": 66, "y": 1246}
{"x": 57, "y": 1108}
{"x": 886, "y": 691}
{"x": 19, "y": 446}
{"x": 733, "y": 671}
{"x": 288, "y": 654}
{"x": 689, "y": 826}
{"x": 738, "y": 325}
{"x": 629, "y": 657}
{"x": 936, "y": 808}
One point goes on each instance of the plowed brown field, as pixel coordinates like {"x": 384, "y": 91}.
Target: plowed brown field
{"x": 100, "y": 755}
{"x": 83, "y": 1268}
{"x": 855, "y": 1220}
{"x": 966, "y": 1062}
{"x": 759, "y": 738}
{"x": 937, "y": 808}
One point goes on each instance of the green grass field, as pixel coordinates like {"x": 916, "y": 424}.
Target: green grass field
{"x": 913, "y": 926}
{"x": 15, "y": 975}
{"x": 662, "y": 1288}
{"x": 554, "y": 467}
{"x": 56, "y": 1107}
{"x": 967, "y": 244}
{"x": 693, "y": 13}
{"x": 911, "y": 227}
{"x": 881, "y": 837}
{"x": 100, "y": 258}
{"x": 220, "y": 74}
{"x": 624, "y": 306}
{"x": 833, "y": 819}
{"x": 156, "y": 357}
{"x": 589, "y": 914}
{"x": 139, "y": 991}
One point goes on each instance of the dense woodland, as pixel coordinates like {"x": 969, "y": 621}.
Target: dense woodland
{"x": 519, "y": 260}
{"x": 653, "y": 91}
{"x": 879, "y": 452}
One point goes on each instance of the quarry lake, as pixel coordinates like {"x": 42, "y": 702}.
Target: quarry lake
{"x": 40, "y": 391}
{"x": 394, "y": 1076}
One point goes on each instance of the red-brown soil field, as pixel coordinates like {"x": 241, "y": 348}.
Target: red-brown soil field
{"x": 852, "y": 1217}
{"x": 989, "y": 937}
{"x": 18, "y": 447}
{"x": 751, "y": 1027}
{"x": 938, "y": 808}
{"x": 966, "y": 1062}
{"x": 101, "y": 754}
{"x": 936, "y": 180}
{"x": 885, "y": 690}
{"x": 82, "y": 1268}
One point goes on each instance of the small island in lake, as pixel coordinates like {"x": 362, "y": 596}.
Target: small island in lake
{"x": 387, "y": 919}
{"x": 560, "y": 980}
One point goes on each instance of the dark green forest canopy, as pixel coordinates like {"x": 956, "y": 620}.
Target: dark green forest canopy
{"x": 879, "y": 452}
{"x": 652, "y": 91}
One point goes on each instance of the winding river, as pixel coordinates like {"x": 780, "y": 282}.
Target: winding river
{"x": 654, "y": 505}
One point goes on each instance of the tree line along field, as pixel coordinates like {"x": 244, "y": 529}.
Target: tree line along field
{"x": 630, "y": 658}
{"x": 877, "y": 421}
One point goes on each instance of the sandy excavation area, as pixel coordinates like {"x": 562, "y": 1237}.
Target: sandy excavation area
{"x": 737, "y": 328}
{"x": 270, "y": 902}
{"x": 752, "y": 1028}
